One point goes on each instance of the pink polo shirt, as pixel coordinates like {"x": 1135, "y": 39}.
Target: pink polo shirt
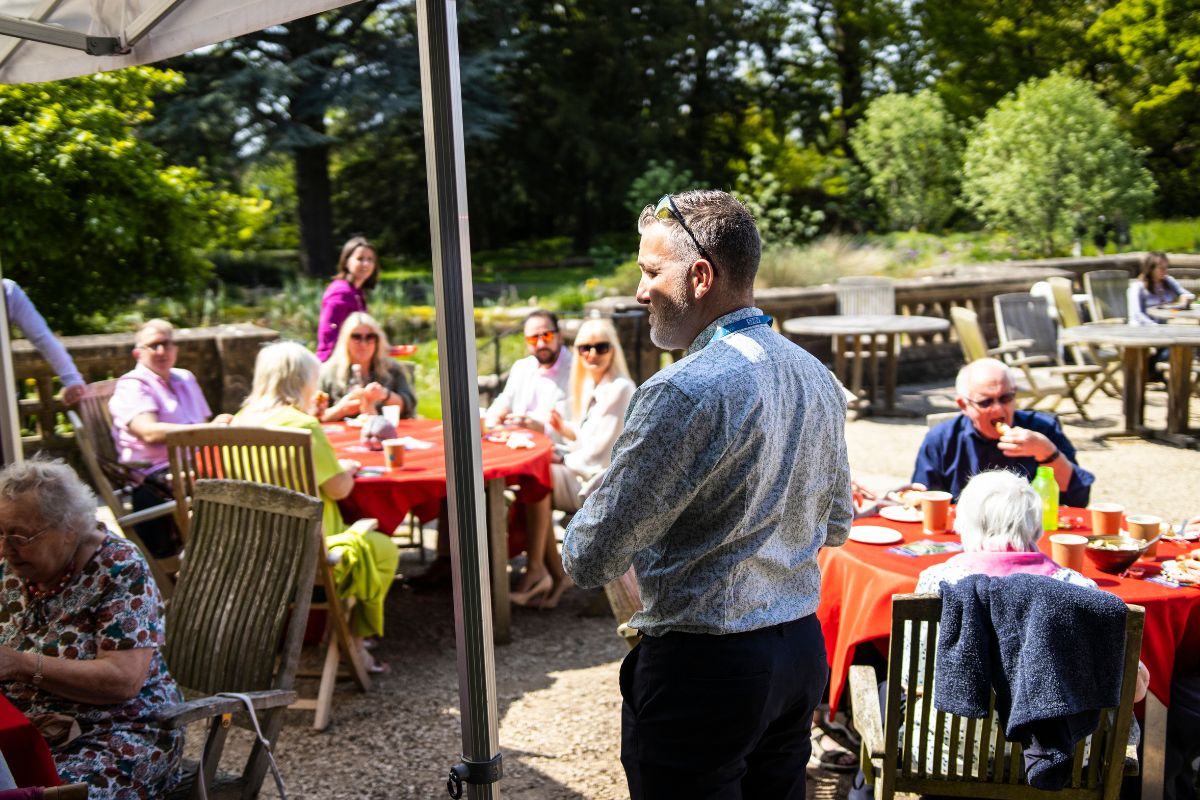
{"x": 140, "y": 390}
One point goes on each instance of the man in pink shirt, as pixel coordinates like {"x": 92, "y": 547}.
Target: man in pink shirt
{"x": 150, "y": 400}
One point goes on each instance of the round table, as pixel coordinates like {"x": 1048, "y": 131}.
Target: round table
{"x": 1176, "y": 314}
{"x": 854, "y": 340}
{"x": 420, "y": 486}
{"x": 1136, "y": 342}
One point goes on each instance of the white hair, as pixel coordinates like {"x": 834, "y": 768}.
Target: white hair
{"x": 285, "y": 373}
{"x": 971, "y": 372}
{"x": 63, "y": 501}
{"x": 998, "y": 511}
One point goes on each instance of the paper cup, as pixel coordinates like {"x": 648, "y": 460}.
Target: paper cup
{"x": 1067, "y": 550}
{"x": 392, "y": 414}
{"x": 1106, "y": 518}
{"x": 935, "y": 506}
{"x": 393, "y": 453}
{"x": 1145, "y": 527}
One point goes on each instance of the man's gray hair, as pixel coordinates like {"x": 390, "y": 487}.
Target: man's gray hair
{"x": 63, "y": 501}
{"x": 156, "y": 325}
{"x": 723, "y": 227}
{"x": 967, "y": 375}
{"x": 998, "y": 511}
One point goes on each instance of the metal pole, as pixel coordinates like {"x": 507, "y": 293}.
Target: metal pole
{"x": 10, "y": 426}
{"x": 441, "y": 101}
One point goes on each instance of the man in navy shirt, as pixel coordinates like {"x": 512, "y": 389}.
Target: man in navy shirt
{"x": 956, "y": 450}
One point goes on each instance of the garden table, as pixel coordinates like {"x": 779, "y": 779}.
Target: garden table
{"x": 857, "y": 334}
{"x": 1136, "y": 342}
{"x": 1191, "y": 314}
{"x": 24, "y": 749}
{"x": 420, "y": 486}
{"x": 858, "y": 581}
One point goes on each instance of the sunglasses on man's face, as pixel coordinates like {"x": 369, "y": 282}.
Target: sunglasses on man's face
{"x": 541, "y": 338}
{"x": 667, "y": 209}
{"x": 988, "y": 402}
{"x": 600, "y": 347}
{"x": 365, "y": 337}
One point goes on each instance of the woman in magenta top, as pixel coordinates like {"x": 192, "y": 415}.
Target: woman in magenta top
{"x": 357, "y": 270}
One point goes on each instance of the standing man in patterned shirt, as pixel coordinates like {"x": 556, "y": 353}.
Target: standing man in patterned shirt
{"x": 730, "y": 475}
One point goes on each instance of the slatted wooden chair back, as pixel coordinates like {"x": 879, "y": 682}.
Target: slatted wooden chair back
{"x": 253, "y": 553}
{"x": 866, "y": 295}
{"x": 1107, "y": 291}
{"x": 969, "y": 332}
{"x": 1023, "y": 317}
{"x": 275, "y": 456}
{"x": 1064, "y": 301}
{"x": 1188, "y": 277}
{"x": 914, "y": 764}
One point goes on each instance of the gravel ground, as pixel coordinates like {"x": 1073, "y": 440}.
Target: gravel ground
{"x": 559, "y": 705}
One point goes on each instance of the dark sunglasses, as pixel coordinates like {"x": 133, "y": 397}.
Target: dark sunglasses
{"x": 365, "y": 337}
{"x": 542, "y": 338}
{"x": 600, "y": 347}
{"x": 666, "y": 209}
{"x": 988, "y": 402}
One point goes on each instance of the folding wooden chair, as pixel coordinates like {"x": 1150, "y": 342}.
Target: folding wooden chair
{"x": 1107, "y": 291}
{"x": 1108, "y": 358}
{"x": 279, "y": 457}
{"x": 974, "y": 347}
{"x": 113, "y": 480}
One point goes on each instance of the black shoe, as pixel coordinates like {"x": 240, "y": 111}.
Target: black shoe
{"x": 437, "y": 576}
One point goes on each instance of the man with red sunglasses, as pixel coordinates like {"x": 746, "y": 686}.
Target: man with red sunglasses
{"x": 537, "y": 384}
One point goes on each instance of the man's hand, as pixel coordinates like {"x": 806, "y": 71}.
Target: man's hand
{"x": 222, "y": 419}
{"x": 1023, "y": 443}
{"x": 1193, "y": 526}
{"x": 73, "y": 394}
{"x": 525, "y": 421}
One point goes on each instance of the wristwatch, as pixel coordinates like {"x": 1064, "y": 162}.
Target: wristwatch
{"x": 1053, "y": 456}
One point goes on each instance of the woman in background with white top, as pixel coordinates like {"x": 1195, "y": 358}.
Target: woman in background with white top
{"x": 600, "y": 394}
{"x": 1154, "y": 287}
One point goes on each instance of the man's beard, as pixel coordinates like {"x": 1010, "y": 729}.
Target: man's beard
{"x": 670, "y": 315}
{"x": 545, "y": 356}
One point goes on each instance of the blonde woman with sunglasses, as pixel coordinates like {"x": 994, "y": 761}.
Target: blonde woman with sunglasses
{"x": 600, "y": 394}
{"x": 362, "y": 349}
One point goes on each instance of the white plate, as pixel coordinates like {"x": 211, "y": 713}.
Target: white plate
{"x": 901, "y": 514}
{"x": 874, "y": 534}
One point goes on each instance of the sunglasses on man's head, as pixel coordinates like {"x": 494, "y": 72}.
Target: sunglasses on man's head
{"x": 541, "y": 338}
{"x": 600, "y": 347}
{"x": 666, "y": 209}
{"x": 365, "y": 337}
{"x": 988, "y": 402}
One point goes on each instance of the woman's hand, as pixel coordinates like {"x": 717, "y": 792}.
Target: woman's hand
{"x": 349, "y": 466}
{"x": 349, "y": 406}
{"x": 527, "y": 422}
{"x": 374, "y": 393}
{"x": 222, "y": 419}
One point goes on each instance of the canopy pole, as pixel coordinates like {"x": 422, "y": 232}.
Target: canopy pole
{"x": 441, "y": 102}
{"x": 11, "y": 451}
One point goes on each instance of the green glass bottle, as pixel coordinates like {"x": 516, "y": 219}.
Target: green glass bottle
{"x": 1047, "y": 489}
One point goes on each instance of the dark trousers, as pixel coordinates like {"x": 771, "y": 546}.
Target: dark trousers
{"x": 161, "y": 535}
{"x": 722, "y": 717}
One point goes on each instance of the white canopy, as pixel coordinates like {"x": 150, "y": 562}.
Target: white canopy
{"x": 136, "y": 31}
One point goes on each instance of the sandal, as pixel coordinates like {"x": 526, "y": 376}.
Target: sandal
{"x": 827, "y": 754}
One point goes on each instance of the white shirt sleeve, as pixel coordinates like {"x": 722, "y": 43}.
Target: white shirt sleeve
{"x": 23, "y": 313}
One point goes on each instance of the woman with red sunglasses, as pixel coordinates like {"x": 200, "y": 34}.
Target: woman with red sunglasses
{"x": 360, "y": 377}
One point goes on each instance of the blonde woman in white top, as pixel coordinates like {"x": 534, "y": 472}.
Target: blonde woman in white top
{"x": 600, "y": 394}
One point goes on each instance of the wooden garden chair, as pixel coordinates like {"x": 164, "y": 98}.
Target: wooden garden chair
{"x": 237, "y": 621}
{"x": 1108, "y": 358}
{"x": 279, "y": 457}
{"x": 867, "y": 295}
{"x": 974, "y": 347}
{"x": 894, "y": 763}
{"x": 1107, "y": 291}
{"x": 113, "y": 480}
{"x": 1022, "y": 317}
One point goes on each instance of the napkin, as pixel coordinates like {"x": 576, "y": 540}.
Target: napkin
{"x": 520, "y": 440}
{"x": 413, "y": 444}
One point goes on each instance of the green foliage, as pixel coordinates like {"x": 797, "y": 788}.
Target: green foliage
{"x": 1169, "y": 236}
{"x": 912, "y": 150}
{"x": 823, "y": 261}
{"x": 93, "y": 215}
{"x": 658, "y": 179}
{"x": 1050, "y": 161}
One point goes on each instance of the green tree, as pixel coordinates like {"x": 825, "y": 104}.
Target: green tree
{"x": 1050, "y": 160}
{"x": 912, "y": 150}
{"x": 92, "y": 214}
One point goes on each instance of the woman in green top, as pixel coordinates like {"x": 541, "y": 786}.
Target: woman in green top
{"x": 282, "y": 395}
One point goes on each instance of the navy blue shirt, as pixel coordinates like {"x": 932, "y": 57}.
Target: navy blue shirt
{"x": 954, "y": 452}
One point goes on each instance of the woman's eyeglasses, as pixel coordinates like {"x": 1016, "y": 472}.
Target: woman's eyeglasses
{"x": 988, "y": 402}
{"x": 666, "y": 209}
{"x": 21, "y": 539}
{"x": 600, "y": 347}
{"x": 541, "y": 338}
{"x": 365, "y": 337}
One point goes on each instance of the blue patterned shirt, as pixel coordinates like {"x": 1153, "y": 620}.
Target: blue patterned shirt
{"x": 729, "y": 476}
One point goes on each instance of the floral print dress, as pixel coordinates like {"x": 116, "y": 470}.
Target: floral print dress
{"x": 112, "y": 604}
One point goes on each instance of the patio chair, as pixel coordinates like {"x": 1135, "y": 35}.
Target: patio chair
{"x": 974, "y": 347}
{"x": 278, "y": 457}
{"x": 867, "y": 295}
{"x": 1188, "y": 277}
{"x": 237, "y": 621}
{"x": 113, "y": 480}
{"x": 1023, "y": 318}
{"x": 893, "y": 763}
{"x": 1107, "y": 290}
{"x": 1108, "y": 358}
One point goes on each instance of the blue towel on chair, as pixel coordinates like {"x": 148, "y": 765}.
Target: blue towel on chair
{"x": 1053, "y": 653}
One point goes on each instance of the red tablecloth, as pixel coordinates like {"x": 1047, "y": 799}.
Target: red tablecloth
{"x": 24, "y": 749}
{"x": 858, "y": 581}
{"x": 420, "y": 485}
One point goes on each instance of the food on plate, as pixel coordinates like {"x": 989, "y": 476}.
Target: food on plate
{"x": 909, "y": 498}
{"x": 1002, "y": 427}
{"x": 1184, "y": 569}
{"x": 1116, "y": 543}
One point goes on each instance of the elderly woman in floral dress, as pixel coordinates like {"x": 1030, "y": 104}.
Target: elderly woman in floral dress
{"x": 80, "y": 630}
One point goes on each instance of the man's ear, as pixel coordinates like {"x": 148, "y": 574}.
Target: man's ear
{"x": 961, "y": 403}
{"x": 701, "y": 278}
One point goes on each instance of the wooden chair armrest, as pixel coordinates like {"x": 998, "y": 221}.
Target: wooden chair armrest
{"x": 1008, "y": 348}
{"x": 68, "y": 791}
{"x": 864, "y": 704}
{"x": 1030, "y": 361}
{"x": 154, "y": 512}
{"x": 1076, "y": 369}
{"x": 207, "y": 707}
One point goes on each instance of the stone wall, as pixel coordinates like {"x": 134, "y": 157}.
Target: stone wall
{"x": 221, "y": 357}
